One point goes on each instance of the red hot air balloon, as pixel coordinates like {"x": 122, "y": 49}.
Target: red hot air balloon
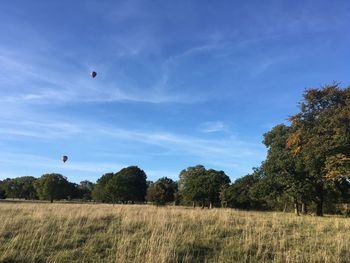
{"x": 64, "y": 158}
{"x": 93, "y": 74}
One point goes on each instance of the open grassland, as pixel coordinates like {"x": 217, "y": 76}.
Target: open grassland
{"x": 43, "y": 232}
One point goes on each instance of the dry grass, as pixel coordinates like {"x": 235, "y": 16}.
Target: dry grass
{"x": 46, "y": 232}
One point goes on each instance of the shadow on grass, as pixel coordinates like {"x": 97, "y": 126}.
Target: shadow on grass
{"x": 18, "y": 260}
{"x": 193, "y": 253}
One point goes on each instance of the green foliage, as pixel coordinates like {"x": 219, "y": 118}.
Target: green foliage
{"x": 321, "y": 137}
{"x": 244, "y": 193}
{"x": 129, "y": 184}
{"x": 162, "y": 191}
{"x": 309, "y": 160}
{"x": 136, "y": 183}
{"x": 99, "y": 192}
{"x": 85, "y": 190}
{"x": 2, "y": 190}
{"x": 52, "y": 186}
{"x": 27, "y": 189}
{"x": 117, "y": 188}
{"x": 337, "y": 167}
{"x": 200, "y": 186}
{"x": 20, "y": 187}
{"x": 283, "y": 170}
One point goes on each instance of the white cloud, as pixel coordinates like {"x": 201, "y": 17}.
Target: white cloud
{"x": 227, "y": 149}
{"x": 50, "y": 164}
{"x": 213, "y": 126}
{"x": 39, "y": 129}
{"x": 33, "y": 78}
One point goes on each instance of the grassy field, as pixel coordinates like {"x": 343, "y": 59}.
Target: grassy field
{"x": 43, "y": 232}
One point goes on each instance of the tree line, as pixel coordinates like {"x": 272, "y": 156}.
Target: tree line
{"x": 307, "y": 169}
{"x": 197, "y": 186}
{"x": 48, "y": 187}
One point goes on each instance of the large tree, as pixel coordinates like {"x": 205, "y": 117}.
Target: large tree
{"x": 200, "y": 186}
{"x": 136, "y": 183}
{"x": 285, "y": 169}
{"x": 52, "y": 186}
{"x": 129, "y": 184}
{"x": 321, "y": 137}
{"x": 162, "y": 191}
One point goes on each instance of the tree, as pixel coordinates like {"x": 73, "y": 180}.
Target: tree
{"x": 240, "y": 194}
{"x": 20, "y": 187}
{"x": 2, "y": 190}
{"x": 11, "y": 188}
{"x": 118, "y": 188}
{"x": 99, "y": 192}
{"x": 135, "y": 181}
{"x": 52, "y": 186}
{"x": 321, "y": 137}
{"x": 214, "y": 183}
{"x": 201, "y": 186}
{"x": 26, "y": 187}
{"x": 129, "y": 184}
{"x": 73, "y": 191}
{"x": 162, "y": 191}
{"x": 284, "y": 168}
{"x": 86, "y": 188}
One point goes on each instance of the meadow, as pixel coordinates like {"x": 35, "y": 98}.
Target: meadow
{"x": 44, "y": 232}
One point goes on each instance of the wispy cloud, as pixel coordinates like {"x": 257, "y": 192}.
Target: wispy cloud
{"x": 227, "y": 149}
{"x": 48, "y": 165}
{"x": 213, "y": 126}
{"x": 54, "y": 84}
{"x": 228, "y": 146}
{"x": 39, "y": 129}
{"x": 84, "y": 170}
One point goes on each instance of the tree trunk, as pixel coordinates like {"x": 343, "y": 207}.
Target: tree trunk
{"x": 347, "y": 210}
{"x": 296, "y": 208}
{"x": 210, "y": 205}
{"x": 319, "y": 200}
{"x": 319, "y": 208}
{"x": 303, "y": 208}
{"x": 285, "y": 207}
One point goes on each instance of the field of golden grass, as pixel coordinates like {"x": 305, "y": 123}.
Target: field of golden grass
{"x": 44, "y": 232}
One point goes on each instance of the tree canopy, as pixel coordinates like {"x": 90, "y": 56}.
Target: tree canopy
{"x": 52, "y": 186}
{"x": 321, "y": 137}
{"x": 200, "y": 186}
{"x": 162, "y": 191}
{"x": 129, "y": 184}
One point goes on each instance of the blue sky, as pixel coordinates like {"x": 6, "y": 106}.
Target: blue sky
{"x": 179, "y": 83}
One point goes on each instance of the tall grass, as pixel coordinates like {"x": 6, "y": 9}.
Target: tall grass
{"x": 46, "y": 232}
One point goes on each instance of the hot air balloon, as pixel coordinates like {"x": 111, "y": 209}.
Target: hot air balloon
{"x": 64, "y": 158}
{"x": 93, "y": 74}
